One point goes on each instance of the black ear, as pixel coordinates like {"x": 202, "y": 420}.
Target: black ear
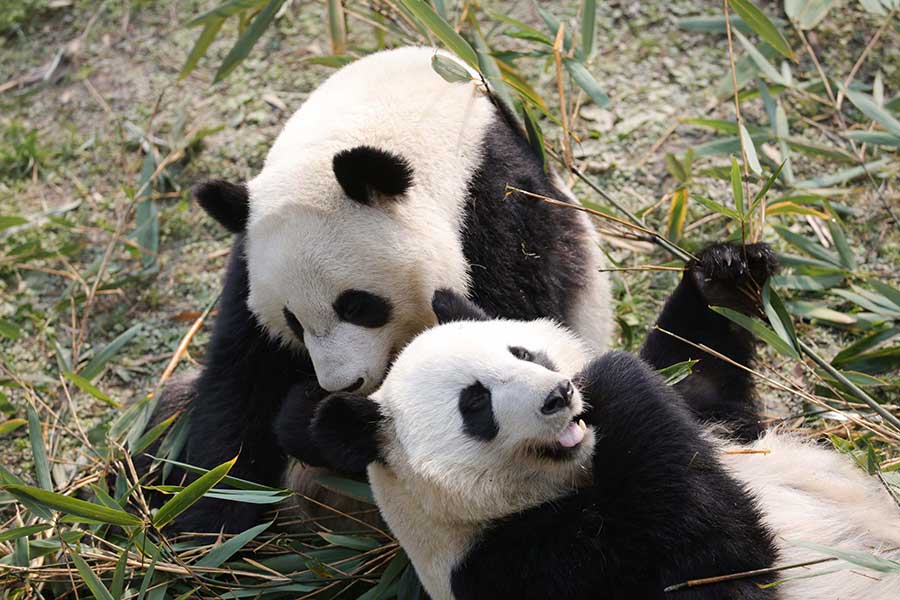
{"x": 345, "y": 429}
{"x": 449, "y": 306}
{"x": 226, "y": 202}
{"x": 365, "y": 171}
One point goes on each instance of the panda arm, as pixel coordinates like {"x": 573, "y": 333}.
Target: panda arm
{"x": 660, "y": 511}
{"x": 723, "y": 275}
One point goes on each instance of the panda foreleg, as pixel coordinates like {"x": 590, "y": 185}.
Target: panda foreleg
{"x": 292, "y": 425}
{"x": 727, "y": 275}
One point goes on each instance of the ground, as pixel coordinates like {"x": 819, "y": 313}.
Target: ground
{"x": 90, "y": 87}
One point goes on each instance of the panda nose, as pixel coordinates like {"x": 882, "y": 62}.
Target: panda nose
{"x": 354, "y": 386}
{"x": 558, "y": 399}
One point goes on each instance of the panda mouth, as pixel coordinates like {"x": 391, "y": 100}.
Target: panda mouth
{"x": 573, "y": 434}
{"x": 567, "y": 444}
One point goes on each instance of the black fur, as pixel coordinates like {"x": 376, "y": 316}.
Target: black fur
{"x": 292, "y": 424}
{"x": 449, "y": 306}
{"x": 661, "y": 510}
{"x": 364, "y": 170}
{"x": 726, "y": 275}
{"x": 237, "y": 396}
{"x": 527, "y": 257}
{"x": 346, "y": 428}
{"x": 226, "y": 202}
{"x": 477, "y": 412}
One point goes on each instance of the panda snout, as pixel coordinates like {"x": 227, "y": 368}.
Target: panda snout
{"x": 354, "y": 386}
{"x": 558, "y": 399}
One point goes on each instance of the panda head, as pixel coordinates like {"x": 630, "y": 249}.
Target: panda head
{"x": 479, "y": 418}
{"x": 337, "y": 276}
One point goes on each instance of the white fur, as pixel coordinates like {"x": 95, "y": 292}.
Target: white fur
{"x": 811, "y": 494}
{"x": 307, "y": 242}
{"x": 437, "y": 487}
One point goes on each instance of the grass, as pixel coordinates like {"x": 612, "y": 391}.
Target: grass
{"x": 109, "y": 111}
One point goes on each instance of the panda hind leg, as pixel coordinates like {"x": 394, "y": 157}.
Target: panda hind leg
{"x": 723, "y": 274}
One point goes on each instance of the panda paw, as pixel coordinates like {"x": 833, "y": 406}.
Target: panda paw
{"x": 732, "y": 275}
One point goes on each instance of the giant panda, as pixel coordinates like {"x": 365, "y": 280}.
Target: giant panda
{"x": 387, "y": 184}
{"x": 511, "y": 464}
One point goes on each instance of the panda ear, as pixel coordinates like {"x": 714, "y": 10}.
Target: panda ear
{"x": 449, "y": 306}
{"x": 226, "y": 202}
{"x": 345, "y": 429}
{"x": 365, "y": 173}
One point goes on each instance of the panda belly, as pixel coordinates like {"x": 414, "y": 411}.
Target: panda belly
{"x": 812, "y": 494}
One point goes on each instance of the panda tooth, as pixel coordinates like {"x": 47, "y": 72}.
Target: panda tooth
{"x": 582, "y": 425}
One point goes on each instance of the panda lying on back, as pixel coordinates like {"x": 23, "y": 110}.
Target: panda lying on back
{"x": 508, "y": 465}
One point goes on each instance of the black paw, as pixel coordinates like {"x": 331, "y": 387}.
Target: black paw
{"x": 733, "y": 275}
{"x": 292, "y": 424}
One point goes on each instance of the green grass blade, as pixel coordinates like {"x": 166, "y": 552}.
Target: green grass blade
{"x": 95, "y": 366}
{"x": 762, "y": 26}
{"x": 39, "y": 450}
{"x": 227, "y": 549}
{"x": 758, "y": 329}
{"x": 245, "y": 43}
{"x": 74, "y": 506}
{"x": 442, "y": 30}
{"x": 191, "y": 494}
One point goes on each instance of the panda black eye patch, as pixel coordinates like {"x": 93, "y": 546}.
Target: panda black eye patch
{"x": 478, "y": 412}
{"x": 293, "y": 322}
{"x": 538, "y": 358}
{"x": 362, "y": 308}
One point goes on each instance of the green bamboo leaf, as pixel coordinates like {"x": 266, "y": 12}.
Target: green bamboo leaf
{"x": 588, "y": 22}
{"x": 876, "y": 138}
{"x": 764, "y": 28}
{"x": 346, "y": 487}
{"x": 39, "y": 450}
{"x": 354, "y": 543}
{"x": 241, "y": 484}
{"x": 758, "y": 329}
{"x": 90, "y": 578}
{"x": 153, "y": 434}
{"x": 716, "y": 207}
{"x": 845, "y": 175}
{"x": 890, "y": 293}
{"x": 191, "y": 494}
{"x": 19, "y": 532}
{"x": 737, "y": 186}
{"x": 808, "y": 246}
{"x": 750, "y": 151}
{"x": 713, "y": 24}
{"x": 487, "y": 65}
{"x": 791, "y": 208}
{"x": 227, "y": 9}
{"x": 535, "y": 135}
{"x": 808, "y": 283}
{"x": 867, "y": 343}
{"x": 227, "y": 549}
{"x": 245, "y": 43}
{"x": 11, "y": 425}
{"x": 778, "y": 316}
{"x": 870, "y": 108}
{"x": 782, "y": 131}
{"x": 209, "y": 33}
{"x": 450, "y": 70}
{"x": 10, "y": 330}
{"x": 86, "y": 386}
{"x": 553, "y": 24}
{"x": 393, "y": 570}
{"x": 883, "y": 360}
{"x": 766, "y": 187}
{"x": 444, "y": 32}
{"x": 764, "y": 66}
{"x": 333, "y": 61}
{"x": 7, "y": 221}
{"x": 117, "y": 587}
{"x": 723, "y": 125}
{"x": 96, "y": 365}
{"x": 7, "y": 478}
{"x": 586, "y": 81}
{"x": 73, "y": 506}
{"x": 677, "y": 372}
{"x": 862, "y": 559}
{"x": 848, "y": 261}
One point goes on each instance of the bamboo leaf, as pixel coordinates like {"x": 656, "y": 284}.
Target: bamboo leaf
{"x": 86, "y": 386}
{"x": 248, "y": 39}
{"x": 782, "y": 131}
{"x": 346, "y": 487}
{"x": 778, "y": 316}
{"x": 807, "y": 13}
{"x": 95, "y": 366}
{"x": 444, "y": 32}
{"x": 808, "y": 246}
{"x": 876, "y": 138}
{"x": 588, "y": 22}
{"x": 153, "y": 434}
{"x": 74, "y": 506}
{"x": 227, "y": 9}
{"x": 758, "y": 329}
{"x": 337, "y": 27}
{"x": 586, "y": 81}
{"x": 8, "y": 221}
{"x": 736, "y": 186}
{"x": 790, "y": 208}
{"x": 677, "y": 214}
{"x": 764, "y": 28}
{"x": 842, "y": 176}
{"x": 808, "y": 283}
{"x": 819, "y": 312}
{"x": 764, "y": 66}
{"x": 677, "y": 372}
{"x": 117, "y": 586}
{"x": 10, "y": 330}
{"x": 14, "y": 534}
{"x": 862, "y": 559}
{"x": 39, "y": 450}
{"x": 848, "y": 261}
{"x": 750, "y": 151}
{"x": 11, "y": 425}
{"x": 870, "y": 108}
{"x": 890, "y": 293}
{"x": 860, "y": 346}
{"x": 449, "y": 70}
{"x": 90, "y": 578}
{"x": 227, "y": 549}
{"x": 352, "y": 542}
{"x": 766, "y": 187}
{"x": 716, "y": 207}
{"x": 209, "y": 33}
{"x": 191, "y": 494}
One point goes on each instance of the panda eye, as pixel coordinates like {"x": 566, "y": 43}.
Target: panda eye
{"x": 293, "y": 323}
{"x": 474, "y": 398}
{"x": 362, "y": 308}
{"x": 521, "y": 353}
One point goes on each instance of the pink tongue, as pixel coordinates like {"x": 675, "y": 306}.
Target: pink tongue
{"x": 571, "y": 436}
